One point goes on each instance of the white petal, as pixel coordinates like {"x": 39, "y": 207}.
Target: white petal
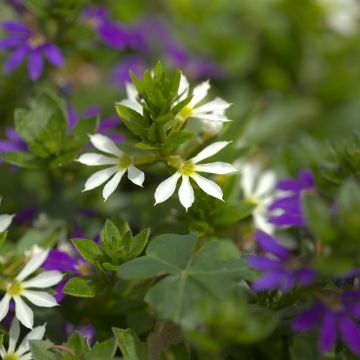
{"x": 39, "y": 298}
{"x": 166, "y": 188}
{"x": 199, "y": 93}
{"x": 132, "y": 104}
{"x": 210, "y": 151}
{"x": 211, "y": 106}
{"x": 208, "y": 186}
{"x": 186, "y": 193}
{"x": 266, "y": 183}
{"x": 99, "y": 178}
{"x": 43, "y": 280}
{"x": 105, "y": 144}
{"x": 27, "y": 356}
{"x": 34, "y": 263}
{"x": 135, "y": 175}
{"x": 249, "y": 173}
{"x": 4, "y": 306}
{"x": 218, "y": 167}
{"x": 35, "y": 334}
{"x": 113, "y": 183}
{"x": 23, "y": 312}
{"x": 5, "y": 221}
{"x": 2, "y": 351}
{"x": 261, "y": 223}
{"x": 93, "y": 159}
{"x": 131, "y": 91}
{"x": 211, "y": 117}
{"x": 14, "y": 334}
{"x": 183, "y": 90}
{"x": 212, "y": 127}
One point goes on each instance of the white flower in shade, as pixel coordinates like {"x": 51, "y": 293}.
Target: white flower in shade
{"x": 189, "y": 170}
{"x": 207, "y": 112}
{"x": 258, "y": 188}
{"x": 22, "y": 287}
{"x": 5, "y": 220}
{"x": 131, "y": 100}
{"x": 22, "y": 352}
{"x": 119, "y": 164}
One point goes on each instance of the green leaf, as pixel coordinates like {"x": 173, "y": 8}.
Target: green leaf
{"x": 78, "y": 344}
{"x": 3, "y": 237}
{"x": 210, "y": 272}
{"x": 39, "y": 350}
{"x": 80, "y": 134}
{"x": 130, "y": 345}
{"x": 144, "y": 146}
{"x": 88, "y": 249}
{"x": 135, "y": 246}
{"x": 135, "y": 122}
{"x": 166, "y": 254}
{"x": 226, "y": 213}
{"x": 81, "y": 287}
{"x": 176, "y": 139}
{"x": 104, "y": 350}
{"x": 24, "y": 160}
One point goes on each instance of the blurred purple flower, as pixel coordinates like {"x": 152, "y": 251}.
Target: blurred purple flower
{"x": 13, "y": 142}
{"x": 17, "y": 5}
{"x": 26, "y": 216}
{"x": 121, "y": 73}
{"x": 107, "y": 125}
{"x": 289, "y": 202}
{"x": 87, "y": 331}
{"x": 282, "y": 269}
{"x": 338, "y": 315}
{"x": 23, "y": 42}
{"x": 112, "y": 33}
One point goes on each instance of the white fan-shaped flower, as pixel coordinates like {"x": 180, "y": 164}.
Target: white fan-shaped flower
{"x": 189, "y": 169}
{"x": 212, "y": 113}
{"x": 258, "y": 188}
{"x": 5, "y": 220}
{"x": 22, "y": 287}
{"x": 119, "y": 164}
{"x": 22, "y": 352}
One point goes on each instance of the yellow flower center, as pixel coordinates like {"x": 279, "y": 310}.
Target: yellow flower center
{"x": 124, "y": 162}
{"x": 15, "y": 288}
{"x": 36, "y": 41}
{"x": 11, "y": 357}
{"x": 188, "y": 168}
{"x": 186, "y": 112}
{"x": 85, "y": 269}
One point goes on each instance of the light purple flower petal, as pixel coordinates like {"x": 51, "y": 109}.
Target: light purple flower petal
{"x": 263, "y": 263}
{"x": 350, "y": 334}
{"x": 306, "y": 276}
{"x": 53, "y": 54}
{"x": 61, "y": 261}
{"x": 35, "y": 64}
{"x": 11, "y": 42}
{"x": 354, "y": 309}
{"x": 15, "y": 59}
{"x": 16, "y": 27}
{"x": 114, "y": 35}
{"x": 308, "y": 318}
{"x": 269, "y": 244}
{"x": 328, "y": 332}
{"x": 108, "y": 124}
{"x": 307, "y": 179}
{"x": 269, "y": 281}
{"x": 92, "y": 111}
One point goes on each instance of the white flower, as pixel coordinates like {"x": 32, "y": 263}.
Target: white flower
{"x": 211, "y": 114}
{"x": 342, "y": 15}
{"x": 120, "y": 163}
{"x": 189, "y": 169}
{"x": 212, "y": 111}
{"x": 5, "y": 220}
{"x": 258, "y": 188}
{"x": 20, "y": 287}
{"x": 23, "y": 350}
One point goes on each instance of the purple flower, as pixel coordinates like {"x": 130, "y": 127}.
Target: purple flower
{"x": 13, "y": 142}
{"x": 87, "y": 331}
{"x": 282, "y": 269}
{"x": 106, "y": 126}
{"x": 289, "y": 203}
{"x": 112, "y": 33}
{"x": 24, "y": 42}
{"x": 337, "y": 315}
{"x": 121, "y": 73}
{"x": 73, "y": 265}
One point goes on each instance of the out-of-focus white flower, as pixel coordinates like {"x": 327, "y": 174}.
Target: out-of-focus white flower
{"x": 5, "y": 220}
{"x": 21, "y": 287}
{"x": 258, "y": 188}
{"x": 189, "y": 170}
{"x": 22, "y": 352}
{"x": 120, "y": 164}
{"x": 342, "y": 15}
